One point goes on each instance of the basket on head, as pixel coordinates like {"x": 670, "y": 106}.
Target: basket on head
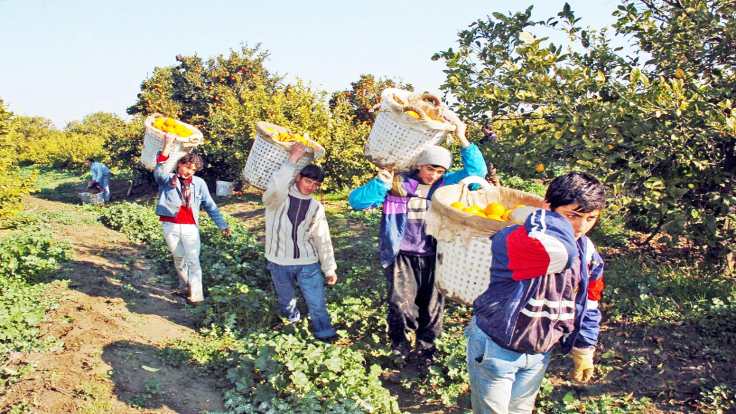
{"x": 91, "y": 198}
{"x": 267, "y": 155}
{"x": 397, "y": 137}
{"x": 463, "y": 240}
{"x": 153, "y": 142}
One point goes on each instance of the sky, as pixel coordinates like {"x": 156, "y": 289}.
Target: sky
{"x": 65, "y": 59}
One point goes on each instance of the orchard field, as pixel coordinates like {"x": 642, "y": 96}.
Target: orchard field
{"x": 89, "y": 322}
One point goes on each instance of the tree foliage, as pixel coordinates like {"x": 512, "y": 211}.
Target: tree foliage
{"x": 13, "y": 185}
{"x": 364, "y": 94}
{"x": 655, "y": 122}
{"x": 227, "y": 94}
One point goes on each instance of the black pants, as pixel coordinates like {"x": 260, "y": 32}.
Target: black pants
{"x": 414, "y": 303}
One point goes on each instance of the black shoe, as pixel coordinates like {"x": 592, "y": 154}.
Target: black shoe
{"x": 328, "y": 339}
{"x": 425, "y": 357}
{"x": 400, "y": 353}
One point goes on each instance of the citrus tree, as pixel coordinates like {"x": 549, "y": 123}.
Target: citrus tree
{"x": 13, "y": 186}
{"x": 655, "y": 121}
{"x": 364, "y": 94}
{"x": 227, "y": 94}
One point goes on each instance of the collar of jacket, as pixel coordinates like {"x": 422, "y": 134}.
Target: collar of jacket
{"x": 174, "y": 182}
{"x": 294, "y": 192}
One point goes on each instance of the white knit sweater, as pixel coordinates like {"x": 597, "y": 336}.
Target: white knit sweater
{"x": 296, "y": 227}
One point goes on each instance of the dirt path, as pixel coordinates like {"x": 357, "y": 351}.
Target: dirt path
{"x": 112, "y": 323}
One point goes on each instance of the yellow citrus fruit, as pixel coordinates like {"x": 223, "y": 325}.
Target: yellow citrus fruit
{"x": 474, "y": 209}
{"x": 288, "y": 137}
{"x": 539, "y": 168}
{"x": 495, "y": 209}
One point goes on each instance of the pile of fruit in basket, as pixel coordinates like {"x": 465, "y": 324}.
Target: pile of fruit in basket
{"x": 171, "y": 125}
{"x": 495, "y": 211}
{"x": 292, "y": 137}
{"x": 422, "y": 106}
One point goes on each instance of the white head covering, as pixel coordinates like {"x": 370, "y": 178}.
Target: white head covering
{"x": 435, "y": 155}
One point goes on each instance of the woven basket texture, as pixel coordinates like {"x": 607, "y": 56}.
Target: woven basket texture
{"x": 463, "y": 271}
{"x": 463, "y": 240}
{"x": 396, "y": 138}
{"x": 91, "y": 198}
{"x": 153, "y": 142}
{"x": 267, "y": 155}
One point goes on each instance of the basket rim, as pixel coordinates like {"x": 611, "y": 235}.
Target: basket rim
{"x": 196, "y": 133}
{"x": 389, "y": 105}
{"x": 476, "y": 222}
{"x": 262, "y": 132}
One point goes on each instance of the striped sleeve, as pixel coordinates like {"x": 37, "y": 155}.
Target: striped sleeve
{"x": 590, "y": 324}
{"x": 544, "y": 245}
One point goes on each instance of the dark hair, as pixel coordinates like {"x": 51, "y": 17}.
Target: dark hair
{"x": 314, "y": 172}
{"x": 576, "y": 188}
{"x": 192, "y": 158}
{"x": 90, "y": 159}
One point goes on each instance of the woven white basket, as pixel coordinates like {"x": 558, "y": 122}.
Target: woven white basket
{"x": 396, "y": 138}
{"x": 463, "y": 241}
{"x": 462, "y": 270}
{"x": 91, "y": 198}
{"x": 267, "y": 155}
{"x": 153, "y": 142}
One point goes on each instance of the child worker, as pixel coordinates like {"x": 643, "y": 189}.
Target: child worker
{"x": 298, "y": 244}
{"x": 180, "y": 196}
{"x": 546, "y": 280}
{"x": 407, "y": 252}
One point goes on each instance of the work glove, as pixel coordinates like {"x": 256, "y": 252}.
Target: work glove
{"x": 582, "y": 358}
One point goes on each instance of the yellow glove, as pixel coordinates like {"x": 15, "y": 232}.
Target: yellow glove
{"x": 583, "y": 360}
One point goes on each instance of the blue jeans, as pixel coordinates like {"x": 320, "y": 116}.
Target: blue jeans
{"x": 502, "y": 381}
{"x": 105, "y": 185}
{"x": 312, "y": 284}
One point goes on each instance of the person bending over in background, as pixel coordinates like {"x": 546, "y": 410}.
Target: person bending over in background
{"x": 100, "y": 177}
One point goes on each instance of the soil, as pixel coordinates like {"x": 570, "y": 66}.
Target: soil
{"x": 113, "y": 320}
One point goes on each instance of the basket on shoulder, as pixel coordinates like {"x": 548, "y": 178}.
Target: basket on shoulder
{"x": 271, "y": 149}
{"x": 463, "y": 221}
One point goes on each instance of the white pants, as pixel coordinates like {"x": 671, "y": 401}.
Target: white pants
{"x": 184, "y": 244}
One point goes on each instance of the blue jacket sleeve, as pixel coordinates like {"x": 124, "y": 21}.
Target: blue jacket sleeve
{"x": 473, "y": 164}
{"x": 370, "y": 194}
{"x": 159, "y": 175}
{"x": 591, "y": 322}
{"x": 96, "y": 172}
{"x": 208, "y": 204}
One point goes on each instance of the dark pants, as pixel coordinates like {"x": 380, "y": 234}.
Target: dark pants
{"x": 414, "y": 301}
